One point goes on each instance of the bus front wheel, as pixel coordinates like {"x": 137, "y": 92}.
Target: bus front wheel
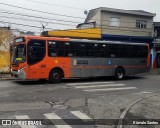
{"x": 119, "y": 73}
{"x": 55, "y": 76}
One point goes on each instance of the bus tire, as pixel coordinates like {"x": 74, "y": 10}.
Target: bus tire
{"x": 55, "y": 76}
{"x": 119, "y": 73}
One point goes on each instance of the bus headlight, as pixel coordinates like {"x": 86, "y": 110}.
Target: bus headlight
{"x": 22, "y": 69}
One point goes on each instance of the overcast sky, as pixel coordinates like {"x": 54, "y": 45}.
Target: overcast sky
{"x": 66, "y": 14}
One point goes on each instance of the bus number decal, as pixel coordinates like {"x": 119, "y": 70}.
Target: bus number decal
{"x": 82, "y": 62}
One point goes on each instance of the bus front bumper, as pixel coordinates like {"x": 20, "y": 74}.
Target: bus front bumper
{"x": 19, "y": 74}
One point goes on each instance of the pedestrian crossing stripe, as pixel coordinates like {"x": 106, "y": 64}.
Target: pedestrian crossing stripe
{"x": 97, "y": 86}
{"x": 53, "y": 116}
{"x": 80, "y": 115}
{"x": 88, "y": 83}
{"x": 25, "y": 117}
{"x": 100, "y": 86}
{"x": 110, "y": 89}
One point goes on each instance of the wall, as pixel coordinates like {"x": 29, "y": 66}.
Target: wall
{"x": 4, "y": 49}
{"x": 97, "y": 18}
{"x": 127, "y": 25}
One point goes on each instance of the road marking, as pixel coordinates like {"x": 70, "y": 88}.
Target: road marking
{"x": 142, "y": 92}
{"x": 97, "y": 86}
{"x": 74, "y": 84}
{"x": 7, "y": 85}
{"x": 53, "y": 116}
{"x": 80, "y": 115}
{"x": 24, "y": 117}
{"x": 109, "y": 89}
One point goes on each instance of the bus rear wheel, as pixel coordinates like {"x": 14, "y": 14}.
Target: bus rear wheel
{"x": 55, "y": 76}
{"x": 119, "y": 73}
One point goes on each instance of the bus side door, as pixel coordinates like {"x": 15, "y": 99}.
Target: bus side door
{"x": 36, "y": 54}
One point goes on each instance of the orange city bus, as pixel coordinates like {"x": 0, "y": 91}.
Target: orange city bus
{"x": 52, "y": 58}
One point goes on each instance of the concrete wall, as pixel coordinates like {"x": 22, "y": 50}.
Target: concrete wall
{"x": 97, "y": 18}
{"x": 127, "y": 24}
{"x": 5, "y": 35}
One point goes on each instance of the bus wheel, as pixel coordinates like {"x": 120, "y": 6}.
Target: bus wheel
{"x": 119, "y": 73}
{"x": 55, "y": 76}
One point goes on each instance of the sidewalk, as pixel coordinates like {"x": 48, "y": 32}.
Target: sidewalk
{"x": 155, "y": 71}
{"x": 146, "y": 109}
{"x": 6, "y": 76}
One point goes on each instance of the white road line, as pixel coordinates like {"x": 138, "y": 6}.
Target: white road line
{"x": 74, "y": 84}
{"x": 6, "y": 86}
{"x": 97, "y": 86}
{"x": 24, "y": 117}
{"x": 109, "y": 89}
{"x": 142, "y": 92}
{"x": 53, "y": 116}
{"x": 80, "y": 115}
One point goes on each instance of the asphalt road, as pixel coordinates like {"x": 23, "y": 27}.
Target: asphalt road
{"x": 96, "y": 98}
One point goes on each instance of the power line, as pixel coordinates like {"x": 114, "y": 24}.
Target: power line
{"x": 101, "y": 26}
{"x": 24, "y": 19}
{"x": 73, "y": 29}
{"x": 39, "y": 11}
{"x": 19, "y": 29}
{"x": 22, "y": 24}
{"x": 38, "y": 17}
{"x": 41, "y": 27}
{"x": 64, "y": 21}
{"x": 51, "y": 4}
{"x": 15, "y": 28}
{"x": 121, "y": 21}
{"x": 63, "y": 15}
{"x": 51, "y": 19}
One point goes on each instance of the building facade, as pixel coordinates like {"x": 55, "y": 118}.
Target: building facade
{"x": 122, "y": 25}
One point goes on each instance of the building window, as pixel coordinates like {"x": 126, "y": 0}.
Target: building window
{"x": 114, "y": 22}
{"x": 141, "y": 24}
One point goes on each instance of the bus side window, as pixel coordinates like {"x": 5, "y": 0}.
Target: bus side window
{"x": 52, "y": 49}
{"x": 99, "y": 50}
{"x": 82, "y": 49}
{"x": 60, "y": 48}
{"x": 36, "y": 51}
{"x": 112, "y": 51}
{"x": 103, "y": 50}
{"x": 67, "y": 49}
{"x": 89, "y": 50}
{"x": 74, "y": 49}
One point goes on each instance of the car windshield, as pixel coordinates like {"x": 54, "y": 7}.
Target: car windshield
{"x": 19, "y": 54}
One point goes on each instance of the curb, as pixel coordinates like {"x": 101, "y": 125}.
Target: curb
{"x": 1, "y": 78}
{"x": 123, "y": 114}
{"x": 155, "y": 71}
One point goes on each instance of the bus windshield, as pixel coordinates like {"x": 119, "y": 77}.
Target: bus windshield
{"x": 19, "y": 55}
